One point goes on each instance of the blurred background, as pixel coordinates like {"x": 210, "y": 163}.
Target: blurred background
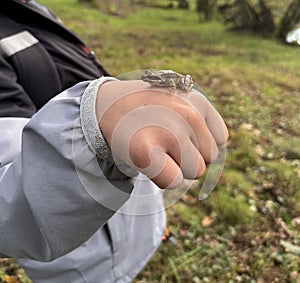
{"x": 245, "y": 54}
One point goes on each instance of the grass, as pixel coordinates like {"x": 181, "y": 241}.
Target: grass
{"x": 237, "y": 233}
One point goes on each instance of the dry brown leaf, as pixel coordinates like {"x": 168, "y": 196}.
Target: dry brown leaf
{"x": 207, "y": 221}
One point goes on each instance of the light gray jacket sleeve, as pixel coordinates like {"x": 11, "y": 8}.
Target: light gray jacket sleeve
{"x": 58, "y": 189}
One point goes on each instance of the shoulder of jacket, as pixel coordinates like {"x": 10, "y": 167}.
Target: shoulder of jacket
{"x": 14, "y": 9}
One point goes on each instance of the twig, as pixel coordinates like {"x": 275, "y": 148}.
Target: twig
{"x": 280, "y": 221}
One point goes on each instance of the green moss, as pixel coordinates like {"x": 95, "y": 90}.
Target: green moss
{"x": 231, "y": 211}
{"x": 242, "y": 155}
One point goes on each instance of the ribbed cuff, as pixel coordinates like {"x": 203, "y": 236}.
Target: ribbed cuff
{"x": 89, "y": 121}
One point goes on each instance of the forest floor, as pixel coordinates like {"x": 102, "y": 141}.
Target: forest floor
{"x": 248, "y": 229}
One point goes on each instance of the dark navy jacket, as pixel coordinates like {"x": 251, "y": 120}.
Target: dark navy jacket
{"x": 58, "y": 59}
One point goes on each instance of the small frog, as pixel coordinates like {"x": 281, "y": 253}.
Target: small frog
{"x": 168, "y": 78}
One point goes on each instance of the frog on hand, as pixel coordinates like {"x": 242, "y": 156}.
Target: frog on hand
{"x": 168, "y": 78}
{"x": 167, "y": 138}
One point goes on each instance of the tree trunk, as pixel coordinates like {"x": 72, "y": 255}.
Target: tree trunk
{"x": 290, "y": 18}
{"x": 206, "y": 7}
{"x": 246, "y": 14}
{"x": 266, "y": 18}
{"x": 183, "y": 4}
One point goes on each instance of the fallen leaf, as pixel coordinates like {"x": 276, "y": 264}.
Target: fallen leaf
{"x": 290, "y": 247}
{"x": 11, "y": 279}
{"x": 247, "y": 126}
{"x": 207, "y": 221}
{"x": 294, "y": 275}
{"x": 296, "y": 221}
